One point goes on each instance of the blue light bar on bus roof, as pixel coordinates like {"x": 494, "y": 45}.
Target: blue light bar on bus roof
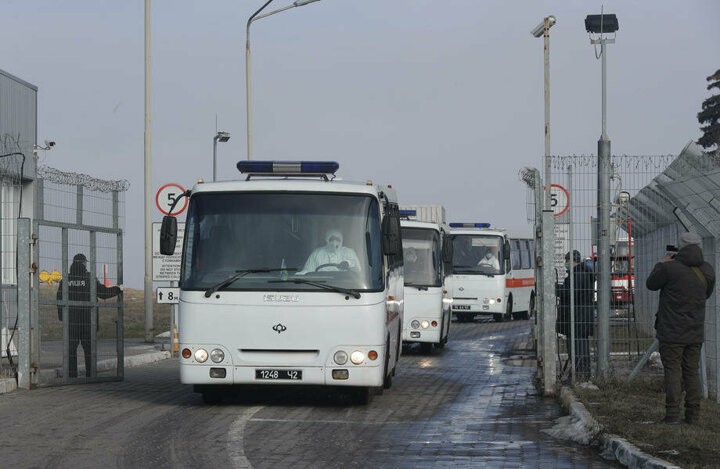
{"x": 408, "y": 213}
{"x": 469, "y": 225}
{"x": 288, "y": 167}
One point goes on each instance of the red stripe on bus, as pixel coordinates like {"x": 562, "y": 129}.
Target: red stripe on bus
{"x": 519, "y": 282}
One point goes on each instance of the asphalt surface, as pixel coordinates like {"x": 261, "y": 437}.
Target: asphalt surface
{"x": 472, "y": 404}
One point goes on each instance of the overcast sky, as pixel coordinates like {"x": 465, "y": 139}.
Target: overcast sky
{"x": 443, "y": 99}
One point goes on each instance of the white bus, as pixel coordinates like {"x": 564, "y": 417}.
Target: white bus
{"x": 427, "y": 315}
{"x": 491, "y": 274}
{"x": 289, "y": 277}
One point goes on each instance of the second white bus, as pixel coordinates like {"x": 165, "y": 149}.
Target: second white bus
{"x": 427, "y": 314}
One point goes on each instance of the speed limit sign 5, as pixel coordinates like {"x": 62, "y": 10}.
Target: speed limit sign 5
{"x": 165, "y": 197}
{"x": 559, "y": 199}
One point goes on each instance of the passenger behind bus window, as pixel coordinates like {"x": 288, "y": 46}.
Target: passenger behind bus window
{"x": 490, "y": 260}
{"x": 333, "y": 256}
{"x": 463, "y": 253}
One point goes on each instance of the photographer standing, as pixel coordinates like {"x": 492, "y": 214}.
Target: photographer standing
{"x": 685, "y": 281}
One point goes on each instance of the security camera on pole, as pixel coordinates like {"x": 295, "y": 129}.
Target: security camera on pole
{"x": 600, "y": 25}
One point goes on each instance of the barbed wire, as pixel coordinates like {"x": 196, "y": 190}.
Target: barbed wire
{"x": 70, "y": 178}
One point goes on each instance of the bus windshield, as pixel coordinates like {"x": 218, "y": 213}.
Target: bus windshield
{"x": 281, "y": 241}
{"x": 421, "y": 253}
{"x": 477, "y": 254}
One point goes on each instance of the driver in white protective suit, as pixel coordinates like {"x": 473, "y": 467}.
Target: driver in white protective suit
{"x": 332, "y": 256}
{"x": 489, "y": 260}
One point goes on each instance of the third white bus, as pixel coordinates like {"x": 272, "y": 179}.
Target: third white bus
{"x": 492, "y": 273}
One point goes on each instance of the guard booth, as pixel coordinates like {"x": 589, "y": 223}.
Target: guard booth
{"x": 77, "y": 217}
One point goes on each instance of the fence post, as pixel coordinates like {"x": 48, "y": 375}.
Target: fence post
{"x": 23, "y": 294}
{"x": 549, "y": 313}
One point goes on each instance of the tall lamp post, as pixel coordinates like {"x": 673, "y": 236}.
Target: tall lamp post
{"x": 253, "y": 17}
{"x": 543, "y": 29}
{"x": 222, "y": 137}
{"x": 599, "y": 25}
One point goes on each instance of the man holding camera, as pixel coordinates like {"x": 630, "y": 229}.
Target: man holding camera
{"x": 685, "y": 281}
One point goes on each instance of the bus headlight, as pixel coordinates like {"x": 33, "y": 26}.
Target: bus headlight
{"x": 425, "y": 324}
{"x": 217, "y": 355}
{"x": 201, "y": 355}
{"x": 415, "y": 324}
{"x": 340, "y": 357}
{"x": 357, "y": 357}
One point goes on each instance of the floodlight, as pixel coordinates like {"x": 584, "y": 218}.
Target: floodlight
{"x": 600, "y": 24}
{"x": 540, "y": 29}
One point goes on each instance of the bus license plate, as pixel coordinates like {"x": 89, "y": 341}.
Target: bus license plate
{"x": 292, "y": 375}
{"x": 461, "y": 307}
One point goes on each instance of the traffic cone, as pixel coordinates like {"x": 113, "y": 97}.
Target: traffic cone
{"x": 106, "y": 281}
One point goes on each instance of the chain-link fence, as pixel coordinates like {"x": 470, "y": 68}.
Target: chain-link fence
{"x": 654, "y": 199}
{"x": 78, "y": 221}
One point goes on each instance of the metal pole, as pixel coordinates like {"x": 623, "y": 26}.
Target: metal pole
{"x": 247, "y": 92}
{"x": 148, "y": 188}
{"x": 215, "y": 139}
{"x": 548, "y": 169}
{"x": 571, "y": 248}
{"x": 603, "y": 271}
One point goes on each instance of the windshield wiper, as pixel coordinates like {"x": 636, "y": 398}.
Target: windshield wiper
{"x": 241, "y": 273}
{"x": 354, "y": 293}
{"x": 417, "y": 285}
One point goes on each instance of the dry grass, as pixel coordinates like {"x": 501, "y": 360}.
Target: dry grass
{"x": 133, "y": 320}
{"x": 632, "y": 410}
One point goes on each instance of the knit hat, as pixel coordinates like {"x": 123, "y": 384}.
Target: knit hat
{"x": 689, "y": 238}
{"x": 575, "y": 255}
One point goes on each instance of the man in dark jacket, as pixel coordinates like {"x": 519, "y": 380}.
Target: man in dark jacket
{"x": 79, "y": 282}
{"x": 685, "y": 281}
{"x": 583, "y": 288}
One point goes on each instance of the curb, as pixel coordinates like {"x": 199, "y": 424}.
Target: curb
{"x": 8, "y": 385}
{"x": 613, "y": 447}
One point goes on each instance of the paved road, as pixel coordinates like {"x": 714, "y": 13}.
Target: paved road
{"x": 470, "y": 405}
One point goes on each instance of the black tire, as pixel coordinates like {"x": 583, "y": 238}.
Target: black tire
{"x": 387, "y": 373}
{"x": 426, "y": 347}
{"x": 509, "y": 316}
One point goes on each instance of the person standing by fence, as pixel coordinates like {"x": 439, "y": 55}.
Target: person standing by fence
{"x": 583, "y": 286}
{"x": 79, "y": 281}
{"x": 685, "y": 282}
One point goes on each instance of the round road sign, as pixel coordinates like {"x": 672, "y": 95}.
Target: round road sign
{"x": 559, "y": 199}
{"x": 166, "y": 196}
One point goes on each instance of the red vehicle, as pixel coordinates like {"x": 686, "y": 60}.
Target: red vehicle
{"x": 622, "y": 274}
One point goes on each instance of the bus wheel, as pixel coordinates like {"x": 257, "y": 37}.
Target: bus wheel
{"x": 426, "y": 347}
{"x": 531, "y": 308}
{"x": 387, "y": 373}
{"x": 509, "y": 316}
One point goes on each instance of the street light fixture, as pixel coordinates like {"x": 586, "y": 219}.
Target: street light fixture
{"x": 253, "y": 17}
{"x": 600, "y": 25}
{"x": 222, "y": 137}
{"x": 543, "y": 29}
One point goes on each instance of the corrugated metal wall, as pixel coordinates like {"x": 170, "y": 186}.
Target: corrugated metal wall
{"x": 18, "y": 117}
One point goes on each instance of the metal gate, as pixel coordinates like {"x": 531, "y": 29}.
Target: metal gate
{"x": 77, "y": 340}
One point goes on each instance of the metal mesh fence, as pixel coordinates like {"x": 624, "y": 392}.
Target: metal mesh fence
{"x": 654, "y": 198}
{"x": 79, "y": 215}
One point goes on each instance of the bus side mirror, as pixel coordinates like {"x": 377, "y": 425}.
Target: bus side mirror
{"x": 168, "y": 235}
{"x": 391, "y": 240}
{"x": 506, "y": 250}
{"x": 447, "y": 252}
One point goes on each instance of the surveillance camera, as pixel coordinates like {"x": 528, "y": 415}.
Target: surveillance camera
{"x": 49, "y": 143}
{"x": 540, "y": 29}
